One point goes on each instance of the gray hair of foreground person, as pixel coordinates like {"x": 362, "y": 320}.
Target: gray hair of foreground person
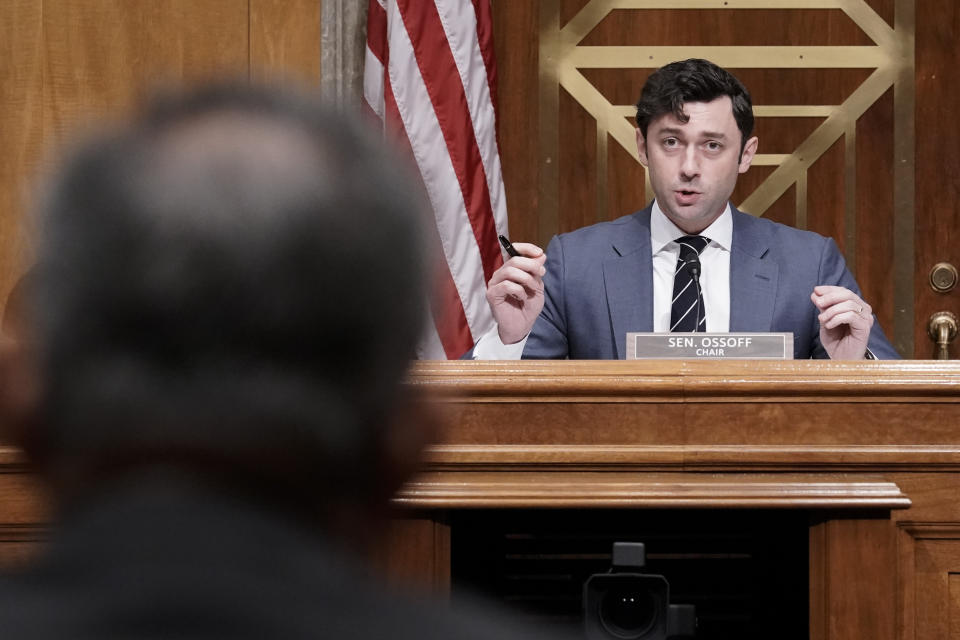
{"x": 233, "y": 284}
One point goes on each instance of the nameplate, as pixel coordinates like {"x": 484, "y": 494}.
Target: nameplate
{"x": 706, "y": 346}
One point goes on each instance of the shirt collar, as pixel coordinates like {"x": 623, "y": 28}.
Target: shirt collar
{"x": 663, "y": 231}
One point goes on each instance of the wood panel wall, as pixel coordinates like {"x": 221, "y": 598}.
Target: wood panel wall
{"x": 859, "y": 213}
{"x": 65, "y": 64}
{"x": 937, "y": 160}
{"x": 20, "y": 126}
{"x": 517, "y": 32}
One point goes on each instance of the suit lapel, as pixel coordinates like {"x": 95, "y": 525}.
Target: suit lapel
{"x": 753, "y": 281}
{"x": 628, "y": 278}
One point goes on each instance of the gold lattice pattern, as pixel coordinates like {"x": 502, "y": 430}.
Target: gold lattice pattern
{"x": 890, "y": 57}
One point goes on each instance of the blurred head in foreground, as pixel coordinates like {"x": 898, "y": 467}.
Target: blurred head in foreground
{"x": 231, "y": 286}
{"x": 227, "y": 295}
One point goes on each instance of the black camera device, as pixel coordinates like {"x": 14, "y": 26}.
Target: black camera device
{"x": 628, "y": 605}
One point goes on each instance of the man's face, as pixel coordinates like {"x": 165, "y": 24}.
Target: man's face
{"x": 693, "y": 165}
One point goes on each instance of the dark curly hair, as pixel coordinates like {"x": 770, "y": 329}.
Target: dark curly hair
{"x": 693, "y": 80}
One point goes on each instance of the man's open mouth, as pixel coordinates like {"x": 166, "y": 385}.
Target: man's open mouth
{"x": 686, "y": 196}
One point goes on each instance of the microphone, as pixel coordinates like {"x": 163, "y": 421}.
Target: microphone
{"x": 693, "y": 264}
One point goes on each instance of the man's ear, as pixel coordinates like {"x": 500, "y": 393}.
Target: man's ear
{"x": 749, "y": 150}
{"x": 19, "y": 391}
{"x": 642, "y": 147}
{"x": 364, "y": 525}
{"x": 415, "y": 423}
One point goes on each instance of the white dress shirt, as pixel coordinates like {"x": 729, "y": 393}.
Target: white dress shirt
{"x": 715, "y": 269}
{"x": 714, "y": 281}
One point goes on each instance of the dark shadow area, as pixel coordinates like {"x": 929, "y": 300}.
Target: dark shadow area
{"x": 747, "y": 572}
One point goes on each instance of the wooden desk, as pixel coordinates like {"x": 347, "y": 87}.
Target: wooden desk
{"x": 837, "y": 438}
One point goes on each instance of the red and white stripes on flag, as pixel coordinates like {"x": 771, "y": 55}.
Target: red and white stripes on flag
{"x": 430, "y": 76}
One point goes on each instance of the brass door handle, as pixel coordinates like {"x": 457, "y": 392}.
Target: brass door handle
{"x": 942, "y": 329}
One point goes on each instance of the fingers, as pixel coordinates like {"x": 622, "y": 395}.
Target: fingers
{"x": 510, "y": 292}
{"x": 527, "y": 249}
{"x": 527, "y": 272}
{"x": 826, "y": 297}
{"x": 510, "y": 282}
{"x": 839, "y": 305}
{"x": 852, "y": 318}
{"x": 515, "y": 292}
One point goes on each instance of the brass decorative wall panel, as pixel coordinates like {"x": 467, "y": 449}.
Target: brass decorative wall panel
{"x": 886, "y": 62}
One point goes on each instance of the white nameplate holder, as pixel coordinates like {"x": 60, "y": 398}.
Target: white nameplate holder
{"x": 710, "y": 346}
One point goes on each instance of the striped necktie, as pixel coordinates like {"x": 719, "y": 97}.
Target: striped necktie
{"x": 687, "y": 312}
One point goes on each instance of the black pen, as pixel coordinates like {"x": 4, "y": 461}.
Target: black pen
{"x": 513, "y": 253}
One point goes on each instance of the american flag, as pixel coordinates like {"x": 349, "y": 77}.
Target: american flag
{"x": 430, "y": 77}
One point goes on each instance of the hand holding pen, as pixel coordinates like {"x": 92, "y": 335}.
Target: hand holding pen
{"x": 515, "y": 291}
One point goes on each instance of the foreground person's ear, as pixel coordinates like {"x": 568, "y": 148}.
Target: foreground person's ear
{"x": 19, "y": 391}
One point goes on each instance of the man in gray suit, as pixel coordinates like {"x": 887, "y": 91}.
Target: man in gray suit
{"x": 593, "y": 285}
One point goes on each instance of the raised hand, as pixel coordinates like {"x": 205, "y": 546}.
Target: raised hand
{"x": 845, "y": 322}
{"x": 515, "y": 292}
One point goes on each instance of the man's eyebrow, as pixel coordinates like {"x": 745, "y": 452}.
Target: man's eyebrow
{"x": 677, "y": 131}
